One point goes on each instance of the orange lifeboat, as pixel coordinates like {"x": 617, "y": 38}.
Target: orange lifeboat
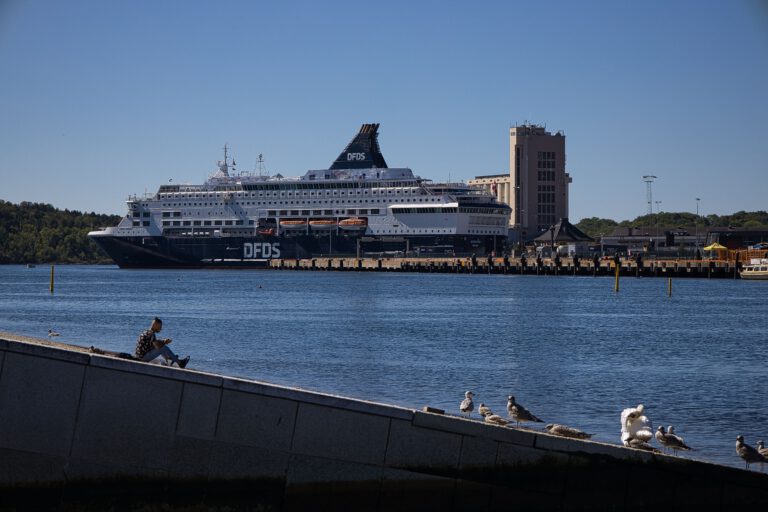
{"x": 266, "y": 231}
{"x": 322, "y": 224}
{"x": 353, "y": 224}
{"x": 293, "y": 224}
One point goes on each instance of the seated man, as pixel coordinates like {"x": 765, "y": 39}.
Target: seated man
{"x": 149, "y": 347}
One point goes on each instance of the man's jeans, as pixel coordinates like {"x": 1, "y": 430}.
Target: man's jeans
{"x": 162, "y": 351}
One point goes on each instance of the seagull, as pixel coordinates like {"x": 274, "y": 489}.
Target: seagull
{"x": 676, "y": 442}
{"x": 640, "y": 445}
{"x": 762, "y": 450}
{"x": 661, "y": 436}
{"x": 519, "y": 413}
{"x": 493, "y": 419}
{"x": 668, "y": 439}
{"x": 566, "y": 431}
{"x": 747, "y": 453}
{"x": 634, "y": 425}
{"x": 467, "y": 405}
{"x": 52, "y": 333}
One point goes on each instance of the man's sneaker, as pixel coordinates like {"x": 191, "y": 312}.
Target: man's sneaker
{"x": 183, "y": 362}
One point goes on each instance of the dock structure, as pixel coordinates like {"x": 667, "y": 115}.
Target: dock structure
{"x": 83, "y": 429}
{"x": 708, "y": 269}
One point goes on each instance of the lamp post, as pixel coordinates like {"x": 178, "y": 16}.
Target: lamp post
{"x": 552, "y": 236}
{"x": 697, "y": 224}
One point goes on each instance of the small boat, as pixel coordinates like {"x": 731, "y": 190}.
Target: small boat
{"x": 353, "y": 224}
{"x": 322, "y": 224}
{"x": 266, "y": 231}
{"x": 31, "y": 265}
{"x": 293, "y": 224}
{"x": 757, "y": 269}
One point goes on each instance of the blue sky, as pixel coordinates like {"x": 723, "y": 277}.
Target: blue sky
{"x": 99, "y": 100}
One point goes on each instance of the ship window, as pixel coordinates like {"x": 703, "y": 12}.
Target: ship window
{"x": 227, "y": 222}
{"x": 206, "y": 223}
{"x": 166, "y": 223}
{"x": 217, "y": 223}
{"x": 196, "y": 223}
{"x": 145, "y": 223}
{"x": 187, "y": 223}
{"x": 177, "y": 223}
{"x": 136, "y": 223}
{"x": 166, "y": 214}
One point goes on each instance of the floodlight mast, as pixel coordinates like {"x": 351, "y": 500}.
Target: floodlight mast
{"x": 648, "y": 179}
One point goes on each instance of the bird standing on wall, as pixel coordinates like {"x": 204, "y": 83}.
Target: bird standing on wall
{"x": 484, "y": 410}
{"x": 519, "y": 413}
{"x": 762, "y": 450}
{"x": 675, "y": 441}
{"x": 467, "y": 405}
{"x": 566, "y": 431}
{"x": 747, "y": 453}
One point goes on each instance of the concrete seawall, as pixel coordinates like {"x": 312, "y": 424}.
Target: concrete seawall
{"x": 83, "y": 431}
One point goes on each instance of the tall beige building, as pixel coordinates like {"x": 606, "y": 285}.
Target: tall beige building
{"x": 536, "y": 187}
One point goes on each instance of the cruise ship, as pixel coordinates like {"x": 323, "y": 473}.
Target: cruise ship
{"x": 357, "y": 207}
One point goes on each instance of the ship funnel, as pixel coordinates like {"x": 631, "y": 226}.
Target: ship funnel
{"x": 363, "y": 152}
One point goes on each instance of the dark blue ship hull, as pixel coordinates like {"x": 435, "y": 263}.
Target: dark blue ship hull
{"x": 256, "y": 251}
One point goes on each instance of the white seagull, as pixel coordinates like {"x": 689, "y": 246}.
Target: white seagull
{"x": 467, "y": 406}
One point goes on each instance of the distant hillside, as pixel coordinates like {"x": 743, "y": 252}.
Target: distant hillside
{"x": 40, "y": 233}
{"x": 595, "y": 226}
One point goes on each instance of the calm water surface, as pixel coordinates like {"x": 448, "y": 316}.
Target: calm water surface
{"x": 570, "y": 349}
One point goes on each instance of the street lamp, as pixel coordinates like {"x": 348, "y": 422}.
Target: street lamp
{"x": 697, "y": 225}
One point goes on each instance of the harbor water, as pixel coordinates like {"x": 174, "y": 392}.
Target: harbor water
{"x": 570, "y": 349}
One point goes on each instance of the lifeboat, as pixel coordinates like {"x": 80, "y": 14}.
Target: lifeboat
{"x": 293, "y": 224}
{"x": 353, "y": 224}
{"x": 266, "y": 231}
{"x": 322, "y": 224}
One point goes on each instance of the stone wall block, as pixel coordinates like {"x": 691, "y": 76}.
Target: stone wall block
{"x": 422, "y": 449}
{"x": 314, "y": 397}
{"x": 340, "y": 434}
{"x": 39, "y": 399}
{"x": 199, "y": 411}
{"x": 255, "y": 420}
{"x": 127, "y": 417}
{"x": 476, "y": 428}
{"x": 49, "y": 352}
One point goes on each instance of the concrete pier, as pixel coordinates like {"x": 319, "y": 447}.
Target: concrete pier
{"x": 708, "y": 269}
{"x": 86, "y": 431}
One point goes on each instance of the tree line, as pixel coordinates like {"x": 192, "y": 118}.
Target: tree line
{"x": 40, "y": 233}
{"x": 595, "y": 226}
